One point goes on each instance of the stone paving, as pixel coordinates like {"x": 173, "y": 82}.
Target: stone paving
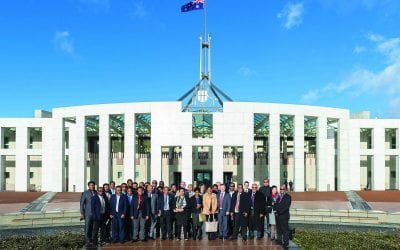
{"x": 377, "y": 200}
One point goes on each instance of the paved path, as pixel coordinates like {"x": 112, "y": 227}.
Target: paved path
{"x": 356, "y": 201}
{"x": 38, "y": 204}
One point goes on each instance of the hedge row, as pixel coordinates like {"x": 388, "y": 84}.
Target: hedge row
{"x": 64, "y": 240}
{"x": 314, "y": 239}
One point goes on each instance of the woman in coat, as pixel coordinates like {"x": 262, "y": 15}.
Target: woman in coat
{"x": 210, "y": 208}
{"x": 271, "y": 200}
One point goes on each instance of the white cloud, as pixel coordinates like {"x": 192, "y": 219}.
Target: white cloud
{"x": 63, "y": 42}
{"x": 359, "y": 49}
{"x": 246, "y": 71}
{"x": 385, "y": 82}
{"x": 139, "y": 10}
{"x": 292, "y": 14}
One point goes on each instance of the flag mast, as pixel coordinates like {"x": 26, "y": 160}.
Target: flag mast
{"x": 204, "y": 96}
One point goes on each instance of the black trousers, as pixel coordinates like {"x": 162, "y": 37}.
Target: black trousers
{"x": 240, "y": 224}
{"x": 99, "y": 226}
{"x": 282, "y": 225}
{"x": 166, "y": 224}
{"x": 181, "y": 221}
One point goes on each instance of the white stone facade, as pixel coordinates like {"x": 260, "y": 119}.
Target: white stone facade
{"x": 170, "y": 127}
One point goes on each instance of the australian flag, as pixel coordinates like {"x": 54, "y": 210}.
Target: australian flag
{"x": 193, "y": 5}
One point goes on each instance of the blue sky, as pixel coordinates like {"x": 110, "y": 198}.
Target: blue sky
{"x": 338, "y": 53}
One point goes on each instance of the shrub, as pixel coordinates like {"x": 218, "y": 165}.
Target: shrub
{"x": 314, "y": 239}
{"x": 64, "y": 240}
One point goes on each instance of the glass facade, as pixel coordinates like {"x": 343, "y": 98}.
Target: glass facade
{"x": 142, "y": 146}
{"x": 117, "y": 132}
{"x": 8, "y": 136}
{"x": 366, "y": 162}
{"x": 202, "y": 165}
{"x": 332, "y": 140}
{"x": 35, "y": 138}
{"x": 261, "y": 146}
{"x": 34, "y": 173}
{"x": 233, "y": 164}
{"x": 8, "y": 173}
{"x": 286, "y": 149}
{"x": 310, "y": 153}
{"x": 92, "y": 148}
{"x": 391, "y": 175}
{"x": 390, "y": 138}
{"x": 202, "y": 126}
{"x": 366, "y": 138}
{"x": 171, "y": 165}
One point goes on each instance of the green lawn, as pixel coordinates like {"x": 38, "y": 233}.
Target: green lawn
{"x": 314, "y": 239}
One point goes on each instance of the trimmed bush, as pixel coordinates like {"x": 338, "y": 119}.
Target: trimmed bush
{"x": 64, "y": 240}
{"x": 314, "y": 239}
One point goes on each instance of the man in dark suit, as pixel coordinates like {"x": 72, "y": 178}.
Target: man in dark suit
{"x": 118, "y": 213}
{"x": 128, "y": 220}
{"x": 257, "y": 211}
{"x": 282, "y": 211}
{"x": 86, "y": 211}
{"x": 139, "y": 214}
{"x": 224, "y": 207}
{"x": 151, "y": 223}
{"x": 240, "y": 210}
{"x": 266, "y": 191}
{"x": 100, "y": 214}
{"x": 107, "y": 194}
{"x": 165, "y": 207}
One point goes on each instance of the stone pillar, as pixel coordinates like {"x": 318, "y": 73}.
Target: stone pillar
{"x": 155, "y": 161}
{"x": 218, "y": 164}
{"x": 343, "y": 149}
{"x": 274, "y": 149}
{"x": 78, "y": 155}
{"x": 248, "y": 163}
{"x": 378, "y": 167}
{"x": 21, "y": 159}
{"x": 324, "y": 168}
{"x": 53, "y": 155}
{"x": 129, "y": 146}
{"x": 299, "y": 181}
{"x": 187, "y": 166}
{"x": 104, "y": 149}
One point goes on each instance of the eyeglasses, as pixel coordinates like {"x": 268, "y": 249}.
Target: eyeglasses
{"x": 254, "y": 187}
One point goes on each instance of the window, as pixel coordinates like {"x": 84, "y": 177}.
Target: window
{"x": 366, "y": 138}
{"x": 119, "y": 175}
{"x": 6, "y": 175}
{"x": 202, "y": 126}
{"x": 31, "y": 175}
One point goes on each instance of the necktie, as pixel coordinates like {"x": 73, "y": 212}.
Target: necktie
{"x": 117, "y": 198}
{"x": 280, "y": 198}
{"x": 165, "y": 202}
{"x": 221, "y": 200}
{"x": 140, "y": 201}
{"x": 252, "y": 200}
{"x": 237, "y": 202}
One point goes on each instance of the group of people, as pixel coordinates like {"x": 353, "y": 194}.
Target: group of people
{"x": 145, "y": 211}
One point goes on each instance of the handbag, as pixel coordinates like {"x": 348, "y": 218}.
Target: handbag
{"x": 211, "y": 226}
{"x": 202, "y": 217}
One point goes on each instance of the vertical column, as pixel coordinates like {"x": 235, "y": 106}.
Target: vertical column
{"x": 53, "y": 155}
{"x": 129, "y": 147}
{"x": 248, "y": 162}
{"x": 104, "y": 149}
{"x": 218, "y": 163}
{"x": 21, "y": 159}
{"x": 298, "y": 181}
{"x": 378, "y": 167}
{"x": 155, "y": 161}
{"x": 343, "y": 148}
{"x": 274, "y": 149}
{"x": 2, "y": 170}
{"x": 78, "y": 154}
{"x": 325, "y": 173}
{"x": 187, "y": 166}
{"x": 355, "y": 162}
